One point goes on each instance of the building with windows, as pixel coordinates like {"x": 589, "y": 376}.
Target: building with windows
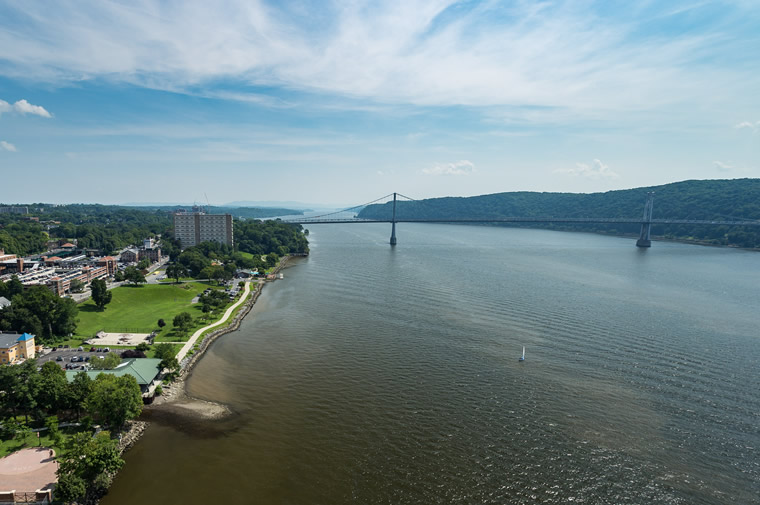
{"x": 14, "y": 347}
{"x": 192, "y": 228}
{"x": 14, "y": 210}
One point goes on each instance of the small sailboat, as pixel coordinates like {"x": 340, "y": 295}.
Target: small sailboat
{"x": 522, "y": 358}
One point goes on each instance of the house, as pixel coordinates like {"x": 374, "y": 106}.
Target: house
{"x": 14, "y": 347}
{"x": 145, "y": 370}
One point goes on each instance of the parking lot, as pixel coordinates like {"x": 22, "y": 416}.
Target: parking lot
{"x": 67, "y": 353}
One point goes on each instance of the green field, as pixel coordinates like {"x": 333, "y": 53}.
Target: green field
{"x": 138, "y": 309}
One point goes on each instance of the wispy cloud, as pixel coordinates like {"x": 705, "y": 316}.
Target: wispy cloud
{"x": 461, "y": 167}
{"x": 559, "y": 53}
{"x": 595, "y": 170}
{"x": 24, "y": 107}
{"x": 7, "y": 146}
{"x": 722, "y": 167}
{"x": 748, "y": 124}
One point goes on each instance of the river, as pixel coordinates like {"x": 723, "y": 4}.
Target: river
{"x": 379, "y": 375}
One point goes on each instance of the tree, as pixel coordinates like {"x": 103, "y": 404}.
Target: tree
{"x": 78, "y": 391}
{"x": 113, "y": 400}
{"x": 133, "y": 275}
{"x": 52, "y": 387}
{"x": 163, "y": 350}
{"x": 87, "y": 459}
{"x": 143, "y": 346}
{"x": 55, "y": 434}
{"x": 182, "y": 322}
{"x": 14, "y": 286}
{"x": 143, "y": 264}
{"x": 110, "y": 362}
{"x": 100, "y": 294}
{"x": 76, "y": 286}
{"x": 161, "y": 323}
{"x": 176, "y": 271}
{"x": 38, "y": 311}
{"x": 169, "y": 363}
{"x": 132, "y": 353}
{"x": 118, "y": 276}
{"x": 70, "y": 488}
{"x": 272, "y": 259}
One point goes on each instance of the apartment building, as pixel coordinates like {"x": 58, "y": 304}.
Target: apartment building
{"x": 192, "y": 228}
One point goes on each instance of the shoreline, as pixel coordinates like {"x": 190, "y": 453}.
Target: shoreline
{"x": 175, "y": 397}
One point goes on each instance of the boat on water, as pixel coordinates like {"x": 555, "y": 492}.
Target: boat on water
{"x": 522, "y": 358}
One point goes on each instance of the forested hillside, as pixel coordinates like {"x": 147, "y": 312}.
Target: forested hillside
{"x": 704, "y": 200}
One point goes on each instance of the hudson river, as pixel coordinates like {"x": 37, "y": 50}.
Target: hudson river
{"x": 379, "y": 375}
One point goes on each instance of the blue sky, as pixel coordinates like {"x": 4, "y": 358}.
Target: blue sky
{"x": 343, "y": 102}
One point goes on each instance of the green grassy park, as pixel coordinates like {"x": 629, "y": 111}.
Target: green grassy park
{"x": 137, "y": 309}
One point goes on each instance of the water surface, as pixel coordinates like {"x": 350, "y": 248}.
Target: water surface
{"x": 381, "y": 375}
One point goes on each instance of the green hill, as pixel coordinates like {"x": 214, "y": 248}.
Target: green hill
{"x": 702, "y": 200}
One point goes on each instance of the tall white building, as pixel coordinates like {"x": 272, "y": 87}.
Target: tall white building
{"x": 192, "y": 228}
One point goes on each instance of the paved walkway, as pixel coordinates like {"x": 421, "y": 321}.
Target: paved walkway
{"x": 190, "y": 343}
{"x": 28, "y": 470}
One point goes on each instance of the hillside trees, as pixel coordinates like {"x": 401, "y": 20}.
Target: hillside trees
{"x": 695, "y": 200}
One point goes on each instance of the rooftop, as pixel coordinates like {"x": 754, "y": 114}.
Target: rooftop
{"x": 142, "y": 369}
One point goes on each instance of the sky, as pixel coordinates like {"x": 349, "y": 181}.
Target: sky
{"x": 341, "y": 102}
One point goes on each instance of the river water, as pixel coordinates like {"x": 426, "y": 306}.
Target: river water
{"x": 379, "y": 375}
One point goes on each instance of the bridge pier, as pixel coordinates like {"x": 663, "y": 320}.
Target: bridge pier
{"x": 646, "y": 224}
{"x": 393, "y": 222}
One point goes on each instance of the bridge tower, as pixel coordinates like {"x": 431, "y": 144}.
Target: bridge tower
{"x": 646, "y": 223}
{"x": 393, "y": 222}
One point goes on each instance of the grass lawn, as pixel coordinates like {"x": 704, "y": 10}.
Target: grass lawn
{"x": 138, "y": 308}
{"x": 10, "y": 446}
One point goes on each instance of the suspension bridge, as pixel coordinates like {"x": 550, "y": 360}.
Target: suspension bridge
{"x": 351, "y": 215}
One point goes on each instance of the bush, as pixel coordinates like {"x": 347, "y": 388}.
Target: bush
{"x": 159, "y": 390}
{"x": 132, "y": 353}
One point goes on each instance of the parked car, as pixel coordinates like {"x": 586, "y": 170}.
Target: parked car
{"x": 92, "y": 349}
{"x": 80, "y": 348}
{"x": 59, "y": 358}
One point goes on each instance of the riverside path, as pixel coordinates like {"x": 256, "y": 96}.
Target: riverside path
{"x": 190, "y": 343}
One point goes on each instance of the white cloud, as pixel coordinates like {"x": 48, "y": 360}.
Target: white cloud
{"x": 597, "y": 170}
{"x": 558, "y": 53}
{"x": 24, "y": 107}
{"x": 722, "y": 167}
{"x": 7, "y": 146}
{"x": 748, "y": 124}
{"x": 462, "y": 167}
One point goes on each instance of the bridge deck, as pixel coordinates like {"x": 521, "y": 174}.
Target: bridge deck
{"x": 579, "y": 220}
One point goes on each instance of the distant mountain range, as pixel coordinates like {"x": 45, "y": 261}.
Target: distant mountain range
{"x": 243, "y": 203}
